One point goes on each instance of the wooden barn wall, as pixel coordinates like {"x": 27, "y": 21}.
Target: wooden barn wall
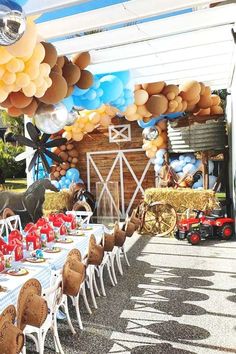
{"x": 98, "y": 140}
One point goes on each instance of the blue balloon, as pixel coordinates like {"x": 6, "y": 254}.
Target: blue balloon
{"x": 112, "y": 88}
{"x": 73, "y": 175}
{"x": 128, "y": 93}
{"x": 67, "y": 182}
{"x": 68, "y": 102}
{"x": 122, "y": 108}
{"x": 94, "y": 104}
{"x": 63, "y": 179}
{"x": 129, "y": 100}
{"x": 79, "y": 92}
{"x": 99, "y": 92}
{"x": 91, "y": 95}
{"x": 80, "y": 181}
{"x": 124, "y": 76}
{"x": 96, "y": 83}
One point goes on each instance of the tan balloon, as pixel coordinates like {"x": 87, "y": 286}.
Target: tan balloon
{"x": 173, "y": 104}
{"x": 130, "y": 110}
{"x": 133, "y": 117}
{"x": 204, "y": 112}
{"x": 162, "y": 125}
{"x": 170, "y": 89}
{"x": 140, "y": 97}
{"x": 216, "y": 110}
{"x": 155, "y": 87}
{"x": 194, "y": 101}
{"x": 143, "y": 112}
{"x": 157, "y": 104}
{"x": 205, "y": 102}
{"x": 150, "y": 154}
{"x": 189, "y": 90}
{"x": 137, "y": 87}
{"x": 215, "y": 100}
{"x": 207, "y": 91}
{"x": 82, "y": 60}
{"x": 203, "y": 87}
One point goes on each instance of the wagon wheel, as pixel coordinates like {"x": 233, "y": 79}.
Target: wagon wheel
{"x": 159, "y": 219}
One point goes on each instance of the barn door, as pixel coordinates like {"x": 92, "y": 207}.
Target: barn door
{"x": 129, "y": 167}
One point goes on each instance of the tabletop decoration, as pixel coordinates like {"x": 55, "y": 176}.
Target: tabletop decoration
{"x": 35, "y": 260}
{"x": 2, "y": 262}
{"x": 65, "y": 240}
{"x": 52, "y": 250}
{"x": 33, "y": 240}
{"x": 17, "y": 272}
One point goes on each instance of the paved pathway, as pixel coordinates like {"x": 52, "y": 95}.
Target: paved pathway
{"x": 175, "y": 299}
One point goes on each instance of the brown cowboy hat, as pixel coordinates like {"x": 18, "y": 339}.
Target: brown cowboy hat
{"x": 32, "y": 309}
{"x": 95, "y": 253}
{"x": 75, "y": 253}
{"x": 109, "y": 242}
{"x": 73, "y": 274}
{"x": 11, "y": 337}
{"x": 135, "y": 220}
{"x": 129, "y": 228}
{"x": 119, "y": 235}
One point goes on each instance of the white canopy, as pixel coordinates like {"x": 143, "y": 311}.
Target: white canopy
{"x": 192, "y": 45}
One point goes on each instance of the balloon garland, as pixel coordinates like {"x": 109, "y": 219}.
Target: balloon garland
{"x": 87, "y": 121}
{"x": 157, "y": 100}
{"x": 151, "y": 146}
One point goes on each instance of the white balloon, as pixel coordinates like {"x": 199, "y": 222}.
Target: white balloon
{"x": 51, "y": 119}
{"x": 71, "y": 118}
{"x": 212, "y": 181}
{"x": 210, "y": 167}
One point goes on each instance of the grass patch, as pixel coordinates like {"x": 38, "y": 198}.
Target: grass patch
{"x": 18, "y": 185}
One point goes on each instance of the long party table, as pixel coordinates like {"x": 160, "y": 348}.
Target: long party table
{"x": 42, "y": 271}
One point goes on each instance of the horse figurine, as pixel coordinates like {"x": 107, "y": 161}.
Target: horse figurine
{"x": 28, "y": 205}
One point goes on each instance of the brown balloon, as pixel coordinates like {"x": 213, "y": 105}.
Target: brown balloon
{"x": 60, "y": 61}
{"x": 82, "y": 60}
{"x": 69, "y": 91}
{"x": 155, "y": 87}
{"x": 157, "y": 104}
{"x": 71, "y": 73}
{"x": 86, "y": 79}
{"x": 31, "y": 109}
{"x": 57, "y": 91}
{"x": 50, "y": 54}
{"x": 7, "y": 103}
{"x": 19, "y": 100}
{"x": 14, "y": 112}
{"x": 57, "y": 69}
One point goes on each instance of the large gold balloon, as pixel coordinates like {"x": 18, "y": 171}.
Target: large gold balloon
{"x": 157, "y": 104}
{"x": 140, "y": 97}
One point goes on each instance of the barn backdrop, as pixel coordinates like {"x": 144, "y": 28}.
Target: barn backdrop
{"x": 116, "y": 155}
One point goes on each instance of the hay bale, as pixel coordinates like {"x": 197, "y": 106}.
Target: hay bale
{"x": 182, "y": 198}
{"x": 55, "y": 202}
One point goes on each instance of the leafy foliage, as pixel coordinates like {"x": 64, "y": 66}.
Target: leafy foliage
{"x": 14, "y": 125}
{"x": 8, "y": 165}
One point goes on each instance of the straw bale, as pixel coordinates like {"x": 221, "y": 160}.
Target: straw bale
{"x": 55, "y": 202}
{"x": 182, "y": 198}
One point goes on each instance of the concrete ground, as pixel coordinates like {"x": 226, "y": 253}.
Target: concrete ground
{"x": 174, "y": 299}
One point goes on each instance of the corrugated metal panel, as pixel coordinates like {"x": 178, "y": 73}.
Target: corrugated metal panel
{"x": 188, "y": 135}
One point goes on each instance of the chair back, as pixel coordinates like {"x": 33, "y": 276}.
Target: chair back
{"x": 13, "y": 223}
{"x": 3, "y": 228}
{"x": 53, "y": 294}
{"x": 82, "y": 217}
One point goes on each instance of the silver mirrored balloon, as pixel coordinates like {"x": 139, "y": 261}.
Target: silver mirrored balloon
{"x": 150, "y": 133}
{"x": 12, "y": 22}
{"x": 72, "y": 116}
{"x": 51, "y": 119}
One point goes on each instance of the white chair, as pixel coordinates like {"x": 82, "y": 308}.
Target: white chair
{"x": 82, "y": 217}
{"x": 13, "y": 223}
{"x": 53, "y": 297}
{"x": 3, "y": 228}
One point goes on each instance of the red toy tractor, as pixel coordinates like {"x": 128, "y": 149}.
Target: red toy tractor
{"x": 203, "y": 226}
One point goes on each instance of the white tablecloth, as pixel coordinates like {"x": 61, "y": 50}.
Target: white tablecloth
{"x": 42, "y": 271}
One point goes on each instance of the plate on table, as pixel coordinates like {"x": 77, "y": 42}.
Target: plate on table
{"x": 35, "y": 260}
{"x": 17, "y": 272}
{"x": 76, "y": 233}
{"x": 65, "y": 240}
{"x": 52, "y": 250}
